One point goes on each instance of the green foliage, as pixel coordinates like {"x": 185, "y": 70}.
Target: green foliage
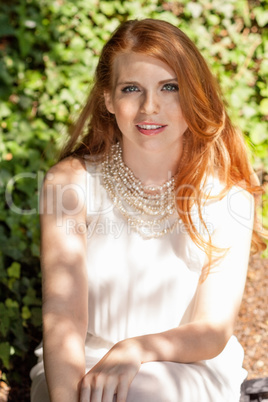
{"x": 48, "y": 53}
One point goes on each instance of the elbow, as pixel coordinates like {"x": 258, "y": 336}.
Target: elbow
{"x": 218, "y": 336}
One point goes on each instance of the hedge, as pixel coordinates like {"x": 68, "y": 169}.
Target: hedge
{"x": 48, "y": 53}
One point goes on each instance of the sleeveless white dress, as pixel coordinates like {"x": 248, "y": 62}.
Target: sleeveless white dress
{"x": 141, "y": 286}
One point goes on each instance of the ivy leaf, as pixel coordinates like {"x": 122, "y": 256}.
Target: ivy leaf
{"x": 5, "y": 353}
{"x": 25, "y": 313}
{"x": 36, "y": 316}
{"x": 107, "y": 7}
{"x": 195, "y": 9}
{"x": 261, "y": 16}
{"x": 14, "y": 270}
{"x": 264, "y": 107}
{"x": 259, "y": 133}
{"x": 5, "y": 320}
{"x": 5, "y": 111}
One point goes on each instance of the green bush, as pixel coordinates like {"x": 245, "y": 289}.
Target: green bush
{"x": 48, "y": 53}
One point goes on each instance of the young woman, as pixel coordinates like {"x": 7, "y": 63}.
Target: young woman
{"x": 146, "y": 223}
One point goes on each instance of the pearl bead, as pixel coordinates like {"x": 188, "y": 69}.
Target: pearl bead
{"x": 147, "y": 206}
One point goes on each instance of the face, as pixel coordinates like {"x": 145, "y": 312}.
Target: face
{"x": 145, "y": 102}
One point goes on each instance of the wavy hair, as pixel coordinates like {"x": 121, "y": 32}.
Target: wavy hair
{"x": 212, "y": 145}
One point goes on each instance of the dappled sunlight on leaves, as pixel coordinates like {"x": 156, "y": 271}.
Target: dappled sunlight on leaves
{"x": 48, "y": 53}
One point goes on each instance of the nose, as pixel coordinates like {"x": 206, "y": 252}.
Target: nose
{"x": 150, "y": 103}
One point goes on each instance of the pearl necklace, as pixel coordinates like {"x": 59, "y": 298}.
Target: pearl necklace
{"x": 150, "y": 210}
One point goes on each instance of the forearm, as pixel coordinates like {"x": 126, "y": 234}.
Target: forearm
{"x": 64, "y": 358}
{"x": 186, "y": 344}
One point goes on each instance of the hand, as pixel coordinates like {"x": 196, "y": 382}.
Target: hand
{"x": 113, "y": 374}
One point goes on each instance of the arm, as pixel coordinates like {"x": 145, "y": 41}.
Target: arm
{"x": 63, "y": 262}
{"x": 207, "y": 329}
{"x": 216, "y": 304}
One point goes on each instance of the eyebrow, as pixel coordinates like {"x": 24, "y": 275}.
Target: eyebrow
{"x": 137, "y": 83}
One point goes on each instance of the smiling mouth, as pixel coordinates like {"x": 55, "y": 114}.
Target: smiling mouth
{"x": 151, "y": 129}
{"x": 149, "y": 126}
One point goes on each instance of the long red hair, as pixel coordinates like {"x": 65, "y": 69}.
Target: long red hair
{"x": 212, "y": 144}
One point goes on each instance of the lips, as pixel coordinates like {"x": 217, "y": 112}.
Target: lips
{"x": 150, "y": 128}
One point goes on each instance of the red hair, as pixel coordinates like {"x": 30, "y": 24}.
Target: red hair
{"x": 211, "y": 143}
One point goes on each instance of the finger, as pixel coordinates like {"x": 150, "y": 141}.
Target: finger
{"x": 122, "y": 390}
{"x": 109, "y": 391}
{"x": 108, "y": 395}
{"x": 96, "y": 386}
{"x": 96, "y": 395}
{"x": 85, "y": 392}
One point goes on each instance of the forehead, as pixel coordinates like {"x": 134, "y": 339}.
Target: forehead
{"x": 135, "y": 66}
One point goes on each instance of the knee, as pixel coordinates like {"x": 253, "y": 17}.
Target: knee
{"x": 152, "y": 384}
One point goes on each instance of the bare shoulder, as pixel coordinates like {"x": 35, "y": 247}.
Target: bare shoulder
{"x": 70, "y": 170}
{"x": 64, "y": 189}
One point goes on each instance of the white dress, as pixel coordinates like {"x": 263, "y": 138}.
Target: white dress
{"x": 141, "y": 286}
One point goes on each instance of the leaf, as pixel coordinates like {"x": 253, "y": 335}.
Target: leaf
{"x": 5, "y": 320}
{"x": 195, "y": 9}
{"x": 31, "y": 299}
{"x": 77, "y": 43}
{"x": 4, "y": 110}
{"x": 12, "y": 305}
{"x": 36, "y": 317}
{"x": 26, "y": 41}
{"x": 14, "y": 270}
{"x": 26, "y": 313}
{"x": 5, "y": 28}
{"x": 264, "y": 67}
{"x": 34, "y": 80}
{"x": 49, "y": 51}
{"x": 5, "y": 353}
{"x": 248, "y": 111}
{"x": 107, "y": 8}
{"x": 259, "y": 133}
{"x": 264, "y": 107}
{"x": 261, "y": 16}
{"x": 35, "y": 249}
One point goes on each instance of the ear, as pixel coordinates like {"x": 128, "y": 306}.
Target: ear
{"x": 108, "y": 101}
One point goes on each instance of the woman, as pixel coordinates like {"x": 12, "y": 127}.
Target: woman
{"x": 146, "y": 226}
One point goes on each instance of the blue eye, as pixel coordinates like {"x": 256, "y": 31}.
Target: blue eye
{"x": 171, "y": 87}
{"x": 130, "y": 88}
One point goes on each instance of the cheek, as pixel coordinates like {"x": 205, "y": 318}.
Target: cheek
{"x": 182, "y": 122}
{"x": 179, "y": 118}
{"x": 126, "y": 110}
{"x": 179, "y": 114}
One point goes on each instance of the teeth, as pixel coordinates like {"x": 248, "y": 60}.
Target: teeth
{"x": 149, "y": 126}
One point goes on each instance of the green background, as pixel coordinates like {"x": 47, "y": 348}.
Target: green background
{"x": 48, "y": 53}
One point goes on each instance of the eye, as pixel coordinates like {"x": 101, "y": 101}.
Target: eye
{"x": 171, "y": 87}
{"x": 130, "y": 88}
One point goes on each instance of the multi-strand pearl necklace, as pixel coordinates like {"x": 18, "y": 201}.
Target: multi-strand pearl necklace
{"x": 150, "y": 210}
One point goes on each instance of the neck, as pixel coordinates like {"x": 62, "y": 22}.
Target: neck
{"x": 152, "y": 168}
